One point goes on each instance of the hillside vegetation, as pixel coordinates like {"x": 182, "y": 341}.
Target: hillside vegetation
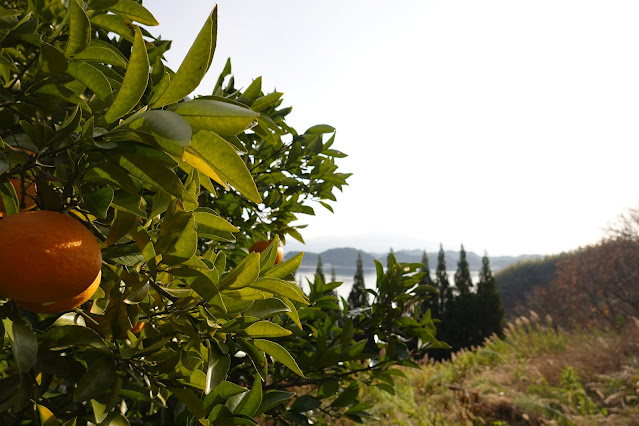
{"x": 536, "y": 375}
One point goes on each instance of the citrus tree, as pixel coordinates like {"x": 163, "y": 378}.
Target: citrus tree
{"x": 179, "y": 323}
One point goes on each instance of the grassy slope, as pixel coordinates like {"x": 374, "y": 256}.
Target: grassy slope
{"x": 536, "y": 375}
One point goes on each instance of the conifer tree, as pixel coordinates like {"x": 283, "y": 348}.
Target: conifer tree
{"x": 463, "y": 281}
{"x": 463, "y": 318}
{"x": 429, "y": 298}
{"x": 358, "y": 296}
{"x": 490, "y": 307}
{"x": 441, "y": 284}
{"x": 333, "y": 276}
{"x": 320, "y": 268}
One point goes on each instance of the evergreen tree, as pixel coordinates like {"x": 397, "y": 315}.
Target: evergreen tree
{"x": 463, "y": 319}
{"x": 490, "y": 307}
{"x": 358, "y": 296}
{"x": 333, "y": 277}
{"x": 463, "y": 281}
{"x": 441, "y": 284}
{"x": 320, "y": 268}
{"x": 429, "y": 298}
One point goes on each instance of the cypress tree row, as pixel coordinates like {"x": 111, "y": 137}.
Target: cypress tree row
{"x": 358, "y": 296}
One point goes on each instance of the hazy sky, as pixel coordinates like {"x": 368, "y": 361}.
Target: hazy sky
{"x": 510, "y": 126}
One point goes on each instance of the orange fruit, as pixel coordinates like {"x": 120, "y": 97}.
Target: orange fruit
{"x": 65, "y": 304}
{"x": 261, "y": 245}
{"x": 46, "y": 257}
{"x": 29, "y": 199}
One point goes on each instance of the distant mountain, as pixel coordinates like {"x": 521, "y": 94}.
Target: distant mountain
{"x": 346, "y": 258}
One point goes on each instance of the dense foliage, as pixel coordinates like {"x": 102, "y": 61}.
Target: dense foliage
{"x": 175, "y": 190}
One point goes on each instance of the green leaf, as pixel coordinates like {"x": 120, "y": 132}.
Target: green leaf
{"x": 153, "y": 174}
{"x": 115, "y": 24}
{"x": 134, "y": 11}
{"x": 267, "y": 308}
{"x": 115, "y": 419}
{"x": 244, "y": 274}
{"x": 217, "y": 368}
{"x": 170, "y": 130}
{"x": 93, "y": 78}
{"x": 192, "y": 402}
{"x": 130, "y": 202}
{"x": 282, "y": 288}
{"x": 266, "y": 329}
{"x": 51, "y": 60}
{"x": 347, "y": 396}
{"x": 222, "y": 118}
{"x": 266, "y": 101}
{"x": 320, "y": 129}
{"x": 208, "y": 222}
{"x": 221, "y": 393}
{"x": 216, "y": 158}
{"x": 96, "y": 381}
{"x": 195, "y": 65}
{"x": 102, "y": 52}
{"x": 328, "y": 388}
{"x": 305, "y": 403}
{"x": 79, "y": 28}
{"x": 134, "y": 83}
{"x": 46, "y": 416}
{"x": 74, "y": 335}
{"x": 97, "y": 202}
{"x": 257, "y": 358}
{"x": 251, "y": 401}
{"x": 24, "y": 344}
{"x": 177, "y": 241}
{"x": 4, "y": 163}
{"x": 9, "y": 197}
{"x": 112, "y": 174}
{"x": 293, "y": 314}
{"x": 145, "y": 244}
{"x": 285, "y": 268}
{"x": 273, "y": 398}
{"x": 279, "y": 353}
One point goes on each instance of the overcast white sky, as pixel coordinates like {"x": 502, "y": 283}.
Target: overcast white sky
{"x": 509, "y": 126}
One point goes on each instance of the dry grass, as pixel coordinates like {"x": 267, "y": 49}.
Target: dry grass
{"x": 537, "y": 375}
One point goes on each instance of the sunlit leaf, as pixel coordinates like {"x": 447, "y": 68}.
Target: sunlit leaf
{"x": 209, "y": 151}
{"x": 134, "y": 83}
{"x": 222, "y": 118}
{"x": 134, "y": 11}
{"x": 279, "y": 353}
{"x": 79, "y": 28}
{"x": 195, "y": 64}
{"x": 91, "y": 77}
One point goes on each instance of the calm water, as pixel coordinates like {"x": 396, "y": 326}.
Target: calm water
{"x": 346, "y": 276}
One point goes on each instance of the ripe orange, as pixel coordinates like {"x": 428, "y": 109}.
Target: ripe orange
{"x": 29, "y": 199}
{"x": 261, "y": 245}
{"x": 46, "y": 257}
{"x": 65, "y": 304}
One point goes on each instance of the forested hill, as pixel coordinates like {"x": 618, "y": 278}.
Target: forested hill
{"x": 347, "y": 258}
